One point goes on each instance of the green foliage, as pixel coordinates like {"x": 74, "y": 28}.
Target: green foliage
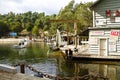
{"x": 4, "y": 29}
{"x": 79, "y": 12}
{"x": 35, "y": 31}
{"x": 16, "y": 27}
{"x": 83, "y": 15}
{"x": 34, "y": 21}
{"x": 67, "y": 13}
{"x": 29, "y": 26}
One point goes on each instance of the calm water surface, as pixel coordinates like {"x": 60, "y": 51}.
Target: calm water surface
{"x": 40, "y": 57}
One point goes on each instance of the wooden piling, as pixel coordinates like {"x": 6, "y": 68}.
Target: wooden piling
{"x": 22, "y": 68}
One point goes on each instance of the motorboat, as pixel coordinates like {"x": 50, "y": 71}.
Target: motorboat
{"x": 21, "y": 44}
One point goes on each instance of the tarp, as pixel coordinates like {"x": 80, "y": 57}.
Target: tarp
{"x": 13, "y": 34}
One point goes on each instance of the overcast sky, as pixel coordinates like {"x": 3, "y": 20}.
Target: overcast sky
{"x": 47, "y": 6}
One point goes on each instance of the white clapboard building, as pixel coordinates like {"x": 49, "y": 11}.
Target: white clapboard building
{"x": 104, "y": 36}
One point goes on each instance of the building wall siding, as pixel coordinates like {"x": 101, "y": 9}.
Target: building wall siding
{"x": 100, "y": 10}
{"x": 95, "y": 49}
{"x": 103, "y": 25}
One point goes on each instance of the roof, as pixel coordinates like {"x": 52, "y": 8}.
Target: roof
{"x": 94, "y": 4}
{"x": 84, "y": 33}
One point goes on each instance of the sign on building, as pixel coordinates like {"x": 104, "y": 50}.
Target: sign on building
{"x": 117, "y": 19}
{"x": 114, "y": 34}
{"x": 112, "y": 46}
{"x": 97, "y": 32}
{"x": 101, "y": 22}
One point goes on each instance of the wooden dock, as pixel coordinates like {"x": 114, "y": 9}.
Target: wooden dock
{"x": 17, "y": 76}
{"x": 10, "y": 73}
{"x": 96, "y": 58}
{"x": 83, "y": 54}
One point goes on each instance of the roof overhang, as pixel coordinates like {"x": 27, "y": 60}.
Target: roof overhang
{"x": 103, "y": 28}
{"x": 84, "y": 33}
{"x": 94, "y": 4}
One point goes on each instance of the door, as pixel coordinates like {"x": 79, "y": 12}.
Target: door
{"x": 103, "y": 47}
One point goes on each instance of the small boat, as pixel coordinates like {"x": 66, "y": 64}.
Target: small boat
{"x": 20, "y": 45}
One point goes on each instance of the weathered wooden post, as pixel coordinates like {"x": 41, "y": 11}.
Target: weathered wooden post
{"x": 70, "y": 54}
{"x": 75, "y": 27}
{"x": 22, "y": 68}
{"x": 66, "y": 54}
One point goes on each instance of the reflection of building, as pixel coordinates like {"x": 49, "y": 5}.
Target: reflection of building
{"x": 112, "y": 72}
{"x": 104, "y": 36}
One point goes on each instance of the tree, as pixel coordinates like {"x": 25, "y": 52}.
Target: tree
{"x": 29, "y": 26}
{"x": 16, "y": 27}
{"x": 35, "y": 31}
{"x": 67, "y": 13}
{"x": 83, "y": 15}
{"x": 79, "y": 12}
{"x": 39, "y": 23}
{"x": 72, "y": 11}
{"x": 4, "y": 29}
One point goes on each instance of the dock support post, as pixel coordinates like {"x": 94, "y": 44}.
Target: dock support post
{"x": 75, "y": 28}
{"x": 70, "y": 54}
{"x": 22, "y": 68}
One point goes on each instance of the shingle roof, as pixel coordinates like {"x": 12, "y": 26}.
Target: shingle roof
{"x": 95, "y": 3}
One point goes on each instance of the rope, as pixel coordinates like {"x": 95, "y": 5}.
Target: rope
{"x": 43, "y": 74}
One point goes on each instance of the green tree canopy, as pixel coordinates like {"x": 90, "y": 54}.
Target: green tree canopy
{"x": 4, "y": 29}
{"x": 16, "y": 27}
{"x": 28, "y": 21}
{"x": 35, "y": 31}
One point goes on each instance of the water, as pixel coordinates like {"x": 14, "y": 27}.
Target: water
{"x": 41, "y": 58}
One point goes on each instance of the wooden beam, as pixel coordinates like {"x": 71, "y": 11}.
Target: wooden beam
{"x": 63, "y": 20}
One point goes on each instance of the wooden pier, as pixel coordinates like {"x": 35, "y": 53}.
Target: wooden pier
{"x": 83, "y": 54}
{"x": 96, "y": 58}
{"x": 10, "y": 73}
{"x": 17, "y": 76}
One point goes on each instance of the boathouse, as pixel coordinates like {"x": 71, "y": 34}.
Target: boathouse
{"x": 104, "y": 36}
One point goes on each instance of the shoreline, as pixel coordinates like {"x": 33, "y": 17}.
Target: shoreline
{"x": 11, "y": 40}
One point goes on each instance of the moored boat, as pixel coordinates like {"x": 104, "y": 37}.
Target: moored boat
{"x": 21, "y": 44}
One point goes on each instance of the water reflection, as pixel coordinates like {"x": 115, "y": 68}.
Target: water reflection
{"x": 33, "y": 51}
{"x": 111, "y": 71}
{"x": 41, "y": 58}
{"x": 22, "y": 51}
